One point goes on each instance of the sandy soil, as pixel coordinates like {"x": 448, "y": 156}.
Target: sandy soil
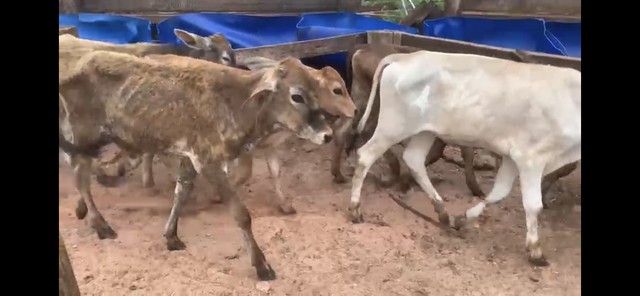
{"x": 317, "y": 251}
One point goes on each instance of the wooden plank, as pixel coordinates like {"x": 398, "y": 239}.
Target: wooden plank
{"x": 68, "y": 6}
{"x": 274, "y": 6}
{"x": 571, "y": 18}
{"x": 530, "y": 7}
{"x": 304, "y": 49}
{"x": 67, "y": 30}
{"x": 454, "y": 46}
{"x": 67, "y": 284}
{"x": 426, "y": 10}
{"x": 391, "y": 37}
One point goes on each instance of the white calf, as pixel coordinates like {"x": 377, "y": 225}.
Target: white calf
{"x": 528, "y": 113}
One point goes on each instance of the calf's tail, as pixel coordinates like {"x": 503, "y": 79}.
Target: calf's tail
{"x": 372, "y": 96}
{"x": 72, "y": 149}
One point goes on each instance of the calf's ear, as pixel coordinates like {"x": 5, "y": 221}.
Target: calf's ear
{"x": 259, "y": 63}
{"x": 190, "y": 39}
{"x": 219, "y": 38}
{"x": 266, "y": 86}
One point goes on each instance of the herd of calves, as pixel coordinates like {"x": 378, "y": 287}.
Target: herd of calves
{"x": 194, "y": 104}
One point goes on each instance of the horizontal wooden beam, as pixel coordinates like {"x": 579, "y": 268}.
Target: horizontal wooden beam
{"x": 304, "y": 49}
{"x": 554, "y": 17}
{"x": 182, "y": 6}
{"x": 524, "y": 7}
{"x": 454, "y": 46}
{"x": 68, "y": 6}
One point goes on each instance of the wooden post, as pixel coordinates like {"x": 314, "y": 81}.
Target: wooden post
{"x": 452, "y": 7}
{"x": 390, "y": 37}
{"x": 68, "y": 30}
{"x": 67, "y": 284}
{"x": 68, "y": 6}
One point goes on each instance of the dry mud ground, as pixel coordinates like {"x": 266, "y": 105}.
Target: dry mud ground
{"x": 317, "y": 251}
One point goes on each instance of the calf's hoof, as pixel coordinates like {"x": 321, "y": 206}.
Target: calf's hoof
{"x": 339, "y": 178}
{"x": 148, "y": 184}
{"x": 103, "y": 229}
{"x": 539, "y": 261}
{"x": 444, "y": 219}
{"x": 459, "y": 222}
{"x": 386, "y": 183}
{"x": 265, "y": 272}
{"x": 107, "y": 181}
{"x": 287, "y": 209}
{"x": 355, "y": 214}
{"x": 121, "y": 171}
{"x": 106, "y": 232}
{"x": 478, "y": 193}
{"x": 175, "y": 244}
{"x": 81, "y": 210}
{"x": 545, "y": 204}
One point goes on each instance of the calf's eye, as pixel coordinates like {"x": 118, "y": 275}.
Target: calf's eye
{"x": 337, "y": 91}
{"x": 297, "y": 98}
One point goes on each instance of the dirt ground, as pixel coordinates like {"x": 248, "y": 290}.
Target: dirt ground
{"x": 317, "y": 251}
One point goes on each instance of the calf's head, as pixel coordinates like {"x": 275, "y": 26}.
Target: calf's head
{"x": 215, "y": 48}
{"x": 332, "y": 93}
{"x": 291, "y": 98}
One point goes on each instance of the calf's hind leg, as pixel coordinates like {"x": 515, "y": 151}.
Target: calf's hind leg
{"x": 553, "y": 177}
{"x": 469, "y": 175}
{"x": 530, "y": 182}
{"x": 414, "y": 156}
{"x": 86, "y": 206}
{"x": 213, "y": 172}
{"x": 502, "y": 186}
{"x": 147, "y": 170}
{"x": 184, "y": 186}
{"x": 367, "y": 155}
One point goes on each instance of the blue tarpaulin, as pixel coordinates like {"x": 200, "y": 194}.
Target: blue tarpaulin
{"x": 569, "y": 35}
{"x": 526, "y": 34}
{"x": 245, "y": 31}
{"x": 322, "y": 25}
{"x": 109, "y": 28}
{"x": 242, "y": 31}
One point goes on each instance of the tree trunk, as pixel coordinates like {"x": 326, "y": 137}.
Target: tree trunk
{"x": 67, "y": 284}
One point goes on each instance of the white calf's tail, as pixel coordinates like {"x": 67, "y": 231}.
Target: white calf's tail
{"x": 374, "y": 88}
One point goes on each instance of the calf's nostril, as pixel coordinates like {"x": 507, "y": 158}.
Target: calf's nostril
{"x": 328, "y": 138}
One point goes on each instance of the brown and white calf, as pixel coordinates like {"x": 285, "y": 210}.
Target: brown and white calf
{"x": 333, "y": 98}
{"x": 530, "y": 114}
{"x": 215, "y": 48}
{"x": 207, "y": 114}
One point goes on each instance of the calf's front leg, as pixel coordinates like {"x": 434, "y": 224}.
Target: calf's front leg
{"x": 342, "y": 128}
{"x": 147, "y": 170}
{"x": 284, "y": 202}
{"x": 82, "y": 173}
{"x": 184, "y": 186}
{"x": 214, "y": 173}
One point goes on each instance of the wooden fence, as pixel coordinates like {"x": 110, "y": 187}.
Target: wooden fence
{"x": 548, "y": 9}
{"x": 183, "y": 6}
